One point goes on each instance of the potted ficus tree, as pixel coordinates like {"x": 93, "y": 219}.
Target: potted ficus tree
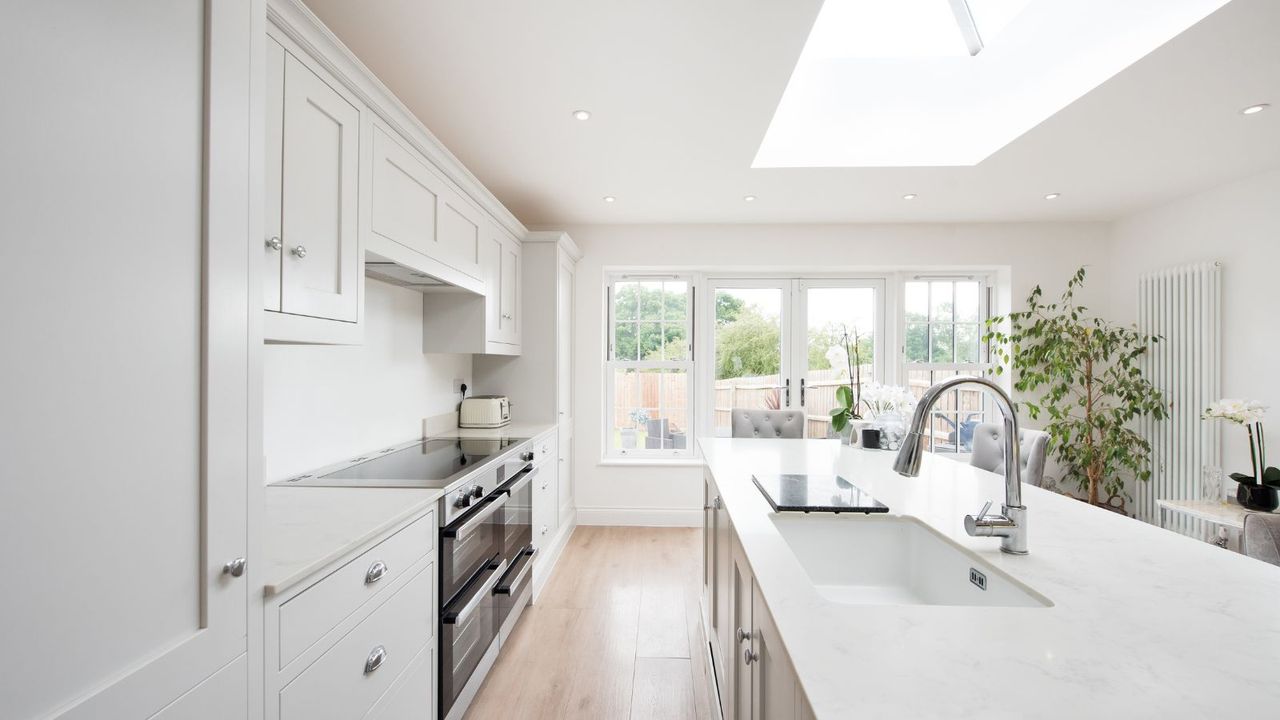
{"x": 1256, "y": 491}
{"x": 1085, "y": 376}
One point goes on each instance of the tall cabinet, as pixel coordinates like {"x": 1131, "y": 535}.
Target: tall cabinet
{"x": 128, "y": 466}
{"x": 540, "y": 381}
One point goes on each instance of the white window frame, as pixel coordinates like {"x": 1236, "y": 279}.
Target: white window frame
{"x": 612, "y": 365}
{"x": 794, "y": 320}
{"x": 986, "y": 300}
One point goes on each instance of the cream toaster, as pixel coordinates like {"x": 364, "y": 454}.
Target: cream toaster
{"x": 484, "y": 411}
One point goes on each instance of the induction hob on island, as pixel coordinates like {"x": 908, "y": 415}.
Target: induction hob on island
{"x": 798, "y": 492}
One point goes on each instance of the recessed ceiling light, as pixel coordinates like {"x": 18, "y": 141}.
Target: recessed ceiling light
{"x": 609, "y": 198}
{"x": 1053, "y": 196}
{"x": 749, "y": 198}
{"x": 581, "y": 115}
{"x": 910, "y": 196}
{"x": 1255, "y": 109}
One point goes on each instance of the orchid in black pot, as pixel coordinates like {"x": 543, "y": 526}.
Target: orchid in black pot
{"x": 1259, "y": 490}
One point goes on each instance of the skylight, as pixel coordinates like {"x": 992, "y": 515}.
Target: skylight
{"x": 949, "y": 82}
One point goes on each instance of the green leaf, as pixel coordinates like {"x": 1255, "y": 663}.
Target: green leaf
{"x": 844, "y": 395}
{"x": 1271, "y": 476}
{"x": 1242, "y": 478}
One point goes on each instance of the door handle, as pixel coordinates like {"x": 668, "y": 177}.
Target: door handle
{"x": 801, "y": 392}
{"x": 788, "y": 398}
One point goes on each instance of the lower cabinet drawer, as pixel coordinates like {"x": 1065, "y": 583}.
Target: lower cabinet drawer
{"x": 544, "y": 449}
{"x": 413, "y": 697}
{"x": 348, "y": 679}
{"x": 318, "y": 609}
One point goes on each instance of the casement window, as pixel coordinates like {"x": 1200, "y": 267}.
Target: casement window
{"x": 944, "y": 319}
{"x": 649, "y": 367}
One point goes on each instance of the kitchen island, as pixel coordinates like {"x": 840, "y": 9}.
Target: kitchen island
{"x": 1136, "y": 621}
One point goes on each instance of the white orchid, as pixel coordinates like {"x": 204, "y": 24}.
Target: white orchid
{"x": 837, "y": 357}
{"x": 1241, "y": 412}
{"x": 881, "y": 399}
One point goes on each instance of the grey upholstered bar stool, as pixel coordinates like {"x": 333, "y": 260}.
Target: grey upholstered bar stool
{"x": 767, "y": 423}
{"x": 988, "y": 451}
{"x": 1261, "y": 538}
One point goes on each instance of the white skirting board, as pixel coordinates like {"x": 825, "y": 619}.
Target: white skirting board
{"x": 640, "y": 517}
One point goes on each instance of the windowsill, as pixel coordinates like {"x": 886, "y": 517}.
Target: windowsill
{"x": 650, "y": 462}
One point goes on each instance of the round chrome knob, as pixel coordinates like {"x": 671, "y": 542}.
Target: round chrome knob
{"x": 743, "y": 635}
{"x": 300, "y": 251}
{"x": 463, "y": 500}
{"x": 526, "y": 456}
{"x": 749, "y": 657}
{"x": 274, "y": 242}
{"x": 235, "y": 568}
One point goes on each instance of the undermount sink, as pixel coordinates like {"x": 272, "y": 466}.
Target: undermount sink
{"x": 892, "y": 560}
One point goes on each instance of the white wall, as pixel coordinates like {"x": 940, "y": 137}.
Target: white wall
{"x": 1237, "y": 224}
{"x": 1035, "y": 253}
{"x": 323, "y": 404}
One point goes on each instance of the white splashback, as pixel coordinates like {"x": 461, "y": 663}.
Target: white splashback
{"x": 322, "y": 404}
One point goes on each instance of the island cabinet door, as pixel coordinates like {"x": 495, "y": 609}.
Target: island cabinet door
{"x": 741, "y": 655}
{"x": 774, "y": 688}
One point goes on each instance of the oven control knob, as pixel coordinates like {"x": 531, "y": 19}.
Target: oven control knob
{"x": 477, "y": 491}
{"x": 464, "y": 500}
{"x": 526, "y": 456}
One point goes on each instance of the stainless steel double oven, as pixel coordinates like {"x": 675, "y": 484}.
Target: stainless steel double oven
{"x": 486, "y": 558}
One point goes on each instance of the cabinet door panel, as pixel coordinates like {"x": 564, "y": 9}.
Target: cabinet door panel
{"x": 272, "y": 246}
{"x": 564, "y": 338}
{"x": 125, "y": 417}
{"x": 491, "y": 252}
{"x": 773, "y": 681}
{"x": 321, "y": 139}
{"x": 740, "y": 609}
{"x": 510, "y": 294}
{"x": 405, "y": 196}
{"x": 459, "y": 234}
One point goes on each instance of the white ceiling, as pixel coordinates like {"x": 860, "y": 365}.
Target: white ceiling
{"x": 682, "y": 93}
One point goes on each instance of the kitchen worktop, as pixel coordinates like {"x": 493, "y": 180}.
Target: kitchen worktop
{"x": 1145, "y": 623}
{"x": 308, "y": 528}
{"x": 515, "y": 429}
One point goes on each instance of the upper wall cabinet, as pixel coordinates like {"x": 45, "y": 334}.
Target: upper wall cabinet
{"x": 312, "y": 283}
{"x": 488, "y": 323}
{"x": 417, "y": 219}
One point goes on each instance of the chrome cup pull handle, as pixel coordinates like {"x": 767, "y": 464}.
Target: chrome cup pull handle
{"x": 376, "y": 658}
{"x": 376, "y": 572}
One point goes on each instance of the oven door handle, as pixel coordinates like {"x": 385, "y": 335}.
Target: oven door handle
{"x": 508, "y": 588}
{"x": 486, "y": 589}
{"x": 521, "y": 480}
{"x": 493, "y": 502}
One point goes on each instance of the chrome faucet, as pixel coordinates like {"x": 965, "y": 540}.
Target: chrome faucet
{"x": 1011, "y": 524}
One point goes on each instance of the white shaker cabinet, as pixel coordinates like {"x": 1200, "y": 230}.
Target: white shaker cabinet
{"x": 754, "y": 678}
{"x": 126, "y": 426}
{"x": 313, "y": 276}
{"x": 483, "y": 324}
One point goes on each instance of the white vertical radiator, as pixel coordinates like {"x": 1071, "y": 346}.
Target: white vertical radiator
{"x": 1181, "y": 305}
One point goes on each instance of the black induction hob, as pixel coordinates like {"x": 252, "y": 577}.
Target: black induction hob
{"x": 815, "y": 493}
{"x": 430, "y": 463}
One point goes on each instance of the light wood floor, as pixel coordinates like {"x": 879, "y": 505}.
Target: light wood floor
{"x": 616, "y": 634}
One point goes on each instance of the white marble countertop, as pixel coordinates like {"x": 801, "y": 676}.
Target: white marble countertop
{"x": 308, "y": 528}
{"x": 515, "y": 429}
{"x": 1146, "y": 623}
{"x": 1227, "y": 512}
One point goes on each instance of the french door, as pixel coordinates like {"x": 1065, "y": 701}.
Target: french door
{"x": 788, "y": 343}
